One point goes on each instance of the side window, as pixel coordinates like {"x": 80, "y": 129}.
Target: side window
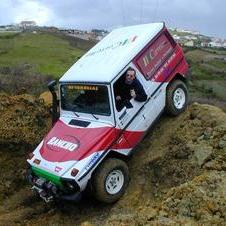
{"x": 128, "y": 89}
{"x": 154, "y": 56}
{"x": 122, "y": 94}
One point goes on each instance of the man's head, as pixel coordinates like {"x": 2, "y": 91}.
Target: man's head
{"x": 130, "y": 75}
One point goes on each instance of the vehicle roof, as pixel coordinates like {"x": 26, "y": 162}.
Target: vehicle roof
{"x": 106, "y": 59}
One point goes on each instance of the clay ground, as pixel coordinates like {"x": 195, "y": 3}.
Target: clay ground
{"x": 177, "y": 173}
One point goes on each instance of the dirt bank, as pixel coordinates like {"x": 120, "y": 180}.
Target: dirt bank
{"x": 177, "y": 175}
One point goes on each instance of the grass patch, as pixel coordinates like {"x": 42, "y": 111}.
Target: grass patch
{"x": 219, "y": 64}
{"x": 47, "y": 53}
{"x": 200, "y": 72}
{"x": 8, "y": 34}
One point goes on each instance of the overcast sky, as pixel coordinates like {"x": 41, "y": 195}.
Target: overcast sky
{"x": 206, "y": 16}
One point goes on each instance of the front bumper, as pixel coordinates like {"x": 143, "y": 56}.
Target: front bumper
{"x": 67, "y": 190}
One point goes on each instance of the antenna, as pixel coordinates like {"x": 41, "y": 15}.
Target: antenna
{"x": 141, "y": 11}
{"x": 123, "y": 15}
{"x": 156, "y": 10}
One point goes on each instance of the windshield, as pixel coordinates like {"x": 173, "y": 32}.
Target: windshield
{"x": 82, "y": 98}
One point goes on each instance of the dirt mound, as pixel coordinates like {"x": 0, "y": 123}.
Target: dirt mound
{"x": 24, "y": 120}
{"x": 177, "y": 177}
{"x": 46, "y": 97}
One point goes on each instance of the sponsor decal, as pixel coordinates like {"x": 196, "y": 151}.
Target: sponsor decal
{"x": 92, "y": 161}
{"x": 83, "y": 87}
{"x": 68, "y": 143}
{"x": 164, "y": 69}
{"x": 58, "y": 169}
{"x": 114, "y": 45}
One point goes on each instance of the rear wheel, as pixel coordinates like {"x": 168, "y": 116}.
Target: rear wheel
{"x": 176, "y": 97}
{"x": 110, "y": 180}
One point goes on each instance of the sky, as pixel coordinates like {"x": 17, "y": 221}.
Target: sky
{"x": 206, "y": 16}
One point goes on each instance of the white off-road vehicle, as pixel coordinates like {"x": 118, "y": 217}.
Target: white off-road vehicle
{"x": 93, "y": 135}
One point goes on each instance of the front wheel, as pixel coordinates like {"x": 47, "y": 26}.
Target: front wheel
{"x": 110, "y": 180}
{"x": 176, "y": 97}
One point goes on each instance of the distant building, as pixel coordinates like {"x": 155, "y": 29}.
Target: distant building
{"x": 205, "y": 44}
{"x": 216, "y": 44}
{"x": 11, "y": 28}
{"x": 27, "y": 24}
{"x": 2, "y": 28}
{"x": 176, "y": 37}
{"x": 224, "y": 45}
{"x": 190, "y": 37}
{"x": 187, "y": 31}
{"x": 189, "y": 43}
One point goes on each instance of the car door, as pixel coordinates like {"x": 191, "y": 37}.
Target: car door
{"x": 131, "y": 119}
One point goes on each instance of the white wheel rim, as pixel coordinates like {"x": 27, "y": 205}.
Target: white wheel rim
{"x": 114, "y": 182}
{"x": 179, "y": 98}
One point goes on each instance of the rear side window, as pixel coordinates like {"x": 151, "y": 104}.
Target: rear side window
{"x": 154, "y": 56}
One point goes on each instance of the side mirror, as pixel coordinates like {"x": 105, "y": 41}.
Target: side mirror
{"x": 51, "y": 86}
{"x": 54, "y": 112}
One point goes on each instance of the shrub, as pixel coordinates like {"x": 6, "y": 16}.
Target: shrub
{"x": 19, "y": 79}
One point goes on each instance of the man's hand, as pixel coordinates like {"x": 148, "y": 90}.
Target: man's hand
{"x": 133, "y": 94}
{"x": 118, "y": 98}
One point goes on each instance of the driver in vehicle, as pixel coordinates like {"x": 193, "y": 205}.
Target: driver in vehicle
{"x": 130, "y": 89}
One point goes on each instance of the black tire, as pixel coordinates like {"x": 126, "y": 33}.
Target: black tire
{"x": 102, "y": 176}
{"x": 172, "y": 90}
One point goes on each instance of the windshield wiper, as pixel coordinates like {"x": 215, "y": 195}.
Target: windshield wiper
{"x": 94, "y": 116}
{"x": 76, "y": 114}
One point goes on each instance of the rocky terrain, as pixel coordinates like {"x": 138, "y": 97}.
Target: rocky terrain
{"x": 178, "y": 172}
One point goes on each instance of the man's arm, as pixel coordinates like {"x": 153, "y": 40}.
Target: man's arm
{"x": 141, "y": 95}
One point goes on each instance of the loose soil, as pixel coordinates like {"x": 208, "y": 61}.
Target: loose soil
{"x": 177, "y": 173}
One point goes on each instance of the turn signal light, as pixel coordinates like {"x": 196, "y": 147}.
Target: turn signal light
{"x": 37, "y": 161}
{"x": 30, "y": 155}
{"x": 74, "y": 172}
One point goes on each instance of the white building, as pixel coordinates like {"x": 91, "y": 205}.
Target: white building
{"x": 27, "y": 24}
{"x": 189, "y": 43}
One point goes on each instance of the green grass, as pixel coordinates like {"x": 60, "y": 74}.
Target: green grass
{"x": 46, "y": 53}
{"x": 205, "y": 65}
{"x": 217, "y": 51}
{"x": 208, "y": 80}
{"x": 8, "y": 34}
{"x": 219, "y": 64}
{"x": 215, "y": 88}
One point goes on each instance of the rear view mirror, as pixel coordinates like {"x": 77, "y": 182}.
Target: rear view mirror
{"x": 51, "y": 85}
{"x": 54, "y": 112}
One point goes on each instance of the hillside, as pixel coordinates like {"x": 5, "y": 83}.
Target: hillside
{"x": 177, "y": 173}
{"x": 44, "y": 52}
{"x": 208, "y": 80}
{"x": 29, "y": 60}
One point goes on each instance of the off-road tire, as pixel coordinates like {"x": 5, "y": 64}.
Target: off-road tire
{"x": 100, "y": 176}
{"x": 171, "y": 90}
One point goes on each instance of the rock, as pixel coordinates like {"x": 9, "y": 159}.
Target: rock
{"x": 212, "y": 165}
{"x": 163, "y": 213}
{"x": 202, "y": 153}
{"x": 86, "y": 223}
{"x": 200, "y": 138}
{"x": 222, "y": 144}
{"x": 151, "y": 214}
{"x": 207, "y": 133}
{"x": 182, "y": 154}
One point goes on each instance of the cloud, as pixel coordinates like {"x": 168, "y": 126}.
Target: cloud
{"x": 203, "y": 15}
{"x": 19, "y": 10}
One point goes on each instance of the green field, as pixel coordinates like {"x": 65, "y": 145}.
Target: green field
{"x": 30, "y": 60}
{"x": 45, "y": 53}
{"x": 208, "y": 81}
